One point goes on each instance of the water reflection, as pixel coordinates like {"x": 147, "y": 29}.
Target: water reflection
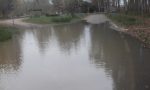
{"x": 74, "y": 57}
{"x": 43, "y": 36}
{"x": 122, "y": 57}
{"x": 69, "y": 36}
{"x": 10, "y": 56}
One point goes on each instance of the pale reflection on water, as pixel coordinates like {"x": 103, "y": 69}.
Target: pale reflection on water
{"x": 73, "y": 57}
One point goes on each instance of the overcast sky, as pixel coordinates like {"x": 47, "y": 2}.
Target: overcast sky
{"x": 87, "y": 0}
{"x": 50, "y": 1}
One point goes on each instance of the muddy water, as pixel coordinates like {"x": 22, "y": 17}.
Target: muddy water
{"x": 73, "y": 57}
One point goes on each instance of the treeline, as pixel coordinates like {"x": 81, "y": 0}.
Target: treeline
{"x": 140, "y": 7}
{"x": 137, "y": 6}
{"x": 73, "y": 6}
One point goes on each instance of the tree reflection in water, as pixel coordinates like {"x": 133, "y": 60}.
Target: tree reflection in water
{"x": 123, "y": 58}
{"x": 10, "y": 56}
{"x": 69, "y": 36}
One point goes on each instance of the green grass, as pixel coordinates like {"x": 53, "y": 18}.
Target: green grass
{"x": 51, "y": 19}
{"x": 59, "y": 19}
{"x": 6, "y": 33}
{"x": 125, "y": 19}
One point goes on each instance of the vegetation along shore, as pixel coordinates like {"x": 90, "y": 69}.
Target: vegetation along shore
{"x": 135, "y": 26}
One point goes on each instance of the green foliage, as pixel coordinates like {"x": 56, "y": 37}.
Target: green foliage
{"x": 5, "y": 33}
{"x": 125, "y": 19}
{"x": 62, "y": 18}
{"x": 51, "y": 19}
{"x": 39, "y": 20}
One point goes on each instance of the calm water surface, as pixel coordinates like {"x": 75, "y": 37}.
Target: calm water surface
{"x": 74, "y": 57}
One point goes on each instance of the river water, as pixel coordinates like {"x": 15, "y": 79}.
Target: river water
{"x": 75, "y": 56}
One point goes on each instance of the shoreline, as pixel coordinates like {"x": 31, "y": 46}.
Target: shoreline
{"x": 141, "y": 33}
{"x": 20, "y": 23}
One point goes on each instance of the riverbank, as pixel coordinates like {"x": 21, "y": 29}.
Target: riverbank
{"x": 40, "y": 21}
{"x": 138, "y": 27}
{"x": 135, "y": 26}
{"x": 58, "y": 19}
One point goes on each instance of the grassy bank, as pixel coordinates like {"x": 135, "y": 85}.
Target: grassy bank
{"x": 136, "y": 26}
{"x": 52, "y": 19}
{"x": 6, "y": 33}
{"x": 125, "y": 20}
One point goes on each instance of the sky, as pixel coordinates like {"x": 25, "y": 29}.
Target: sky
{"x": 50, "y": 1}
{"x": 87, "y": 0}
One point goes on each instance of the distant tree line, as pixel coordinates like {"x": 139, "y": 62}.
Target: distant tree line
{"x": 73, "y": 6}
{"x": 138, "y": 7}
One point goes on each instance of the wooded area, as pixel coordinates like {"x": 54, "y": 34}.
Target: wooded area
{"x": 138, "y": 7}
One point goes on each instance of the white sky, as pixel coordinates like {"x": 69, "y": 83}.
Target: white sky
{"x": 87, "y": 0}
{"x": 50, "y": 1}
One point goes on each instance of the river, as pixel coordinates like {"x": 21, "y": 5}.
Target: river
{"x": 74, "y": 56}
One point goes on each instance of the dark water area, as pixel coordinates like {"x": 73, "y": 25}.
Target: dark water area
{"x": 74, "y": 57}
